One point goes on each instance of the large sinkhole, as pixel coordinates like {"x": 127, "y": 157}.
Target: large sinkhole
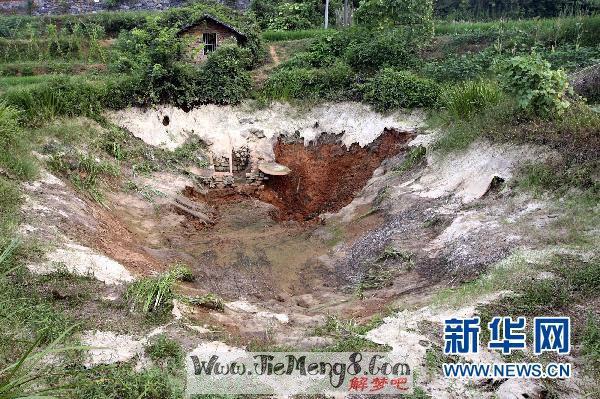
{"x": 326, "y": 175}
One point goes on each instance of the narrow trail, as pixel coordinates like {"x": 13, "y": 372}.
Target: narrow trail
{"x": 274, "y": 55}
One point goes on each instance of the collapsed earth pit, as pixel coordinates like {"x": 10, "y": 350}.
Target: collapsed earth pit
{"x": 325, "y": 174}
{"x": 233, "y": 237}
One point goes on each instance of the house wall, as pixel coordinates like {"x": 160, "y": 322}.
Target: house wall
{"x": 195, "y": 36}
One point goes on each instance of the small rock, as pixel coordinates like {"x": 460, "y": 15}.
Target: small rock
{"x": 282, "y": 297}
{"x": 305, "y": 301}
{"x": 313, "y": 342}
{"x": 520, "y": 389}
{"x": 258, "y": 133}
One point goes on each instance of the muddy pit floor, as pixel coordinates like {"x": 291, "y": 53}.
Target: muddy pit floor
{"x": 262, "y": 242}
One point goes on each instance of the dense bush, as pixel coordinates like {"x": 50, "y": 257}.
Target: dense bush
{"x": 364, "y": 50}
{"x": 391, "y": 89}
{"x": 149, "y": 55}
{"x": 370, "y": 52}
{"x": 455, "y": 68}
{"x": 223, "y": 79}
{"x": 333, "y": 82}
{"x": 536, "y": 87}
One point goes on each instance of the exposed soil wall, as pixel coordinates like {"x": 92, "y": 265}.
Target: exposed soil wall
{"x": 326, "y": 175}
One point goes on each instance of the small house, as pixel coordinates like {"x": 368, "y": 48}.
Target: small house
{"x": 207, "y": 34}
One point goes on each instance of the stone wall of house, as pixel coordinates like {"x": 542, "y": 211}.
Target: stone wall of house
{"x": 195, "y": 32}
{"x": 49, "y": 7}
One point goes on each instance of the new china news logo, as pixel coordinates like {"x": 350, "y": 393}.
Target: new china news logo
{"x": 506, "y": 335}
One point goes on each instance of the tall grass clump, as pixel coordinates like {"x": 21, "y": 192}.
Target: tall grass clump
{"x": 154, "y": 294}
{"x": 466, "y": 99}
{"x": 26, "y": 377}
{"x": 14, "y": 154}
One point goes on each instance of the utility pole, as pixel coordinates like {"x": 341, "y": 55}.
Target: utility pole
{"x": 326, "y": 14}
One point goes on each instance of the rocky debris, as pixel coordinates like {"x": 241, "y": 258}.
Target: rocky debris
{"x": 83, "y": 261}
{"x": 468, "y": 175}
{"x": 521, "y": 389}
{"x": 586, "y": 82}
{"x": 109, "y": 347}
{"x": 196, "y": 210}
{"x": 247, "y": 307}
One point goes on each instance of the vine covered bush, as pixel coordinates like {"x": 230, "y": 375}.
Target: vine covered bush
{"x": 391, "y": 89}
{"x": 537, "y": 88}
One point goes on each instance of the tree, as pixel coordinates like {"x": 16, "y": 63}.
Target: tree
{"x": 415, "y": 17}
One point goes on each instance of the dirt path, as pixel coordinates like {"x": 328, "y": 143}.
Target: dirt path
{"x": 274, "y": 55}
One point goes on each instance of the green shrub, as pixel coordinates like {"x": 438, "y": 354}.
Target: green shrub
{"x": 466, "y": 99}
{"x": 460, "y": 67}
{"x": 369, "y": 51}
{"x": 333, "y": 82}
{"x": 537, "y": 88}
{"x": 391, "y": 89}
{"x": 225, "y": 78}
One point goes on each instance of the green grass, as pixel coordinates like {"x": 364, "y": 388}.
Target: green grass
{"x": 152, "y": 294}
{"x": 85, "y": 172}
{"x": 572, "y": 281}
{"x": 122, "y": 381}
{"x": 285, "y": 35}
{"x": 348, "y": 335}
{"x": 415, "y": 156}
{"x": 21, "y": 81}
{"x": 584, "y": 29}
{"x": 166, "y": 353}
{"x": 590, "y": 344}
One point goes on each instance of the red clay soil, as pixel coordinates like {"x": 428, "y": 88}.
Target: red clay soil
{"x": 326, "y": 175}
